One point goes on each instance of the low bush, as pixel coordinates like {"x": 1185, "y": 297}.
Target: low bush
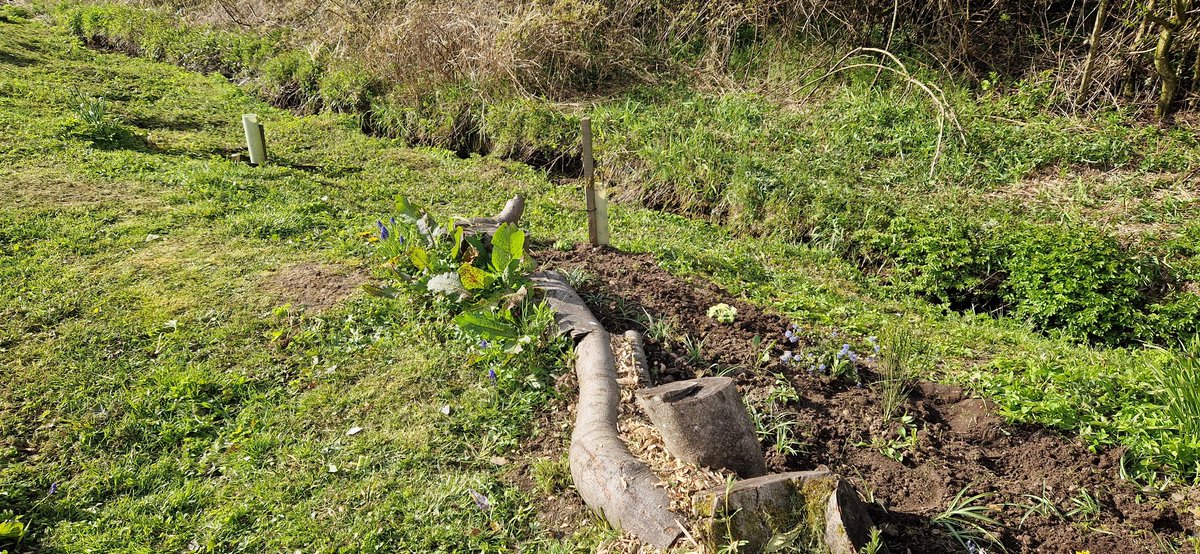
{"x": 1076, "y": 280}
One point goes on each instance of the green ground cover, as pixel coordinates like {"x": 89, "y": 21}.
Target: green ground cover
{"x": 1082, "y": 226}
{"x": 172, "y": 402}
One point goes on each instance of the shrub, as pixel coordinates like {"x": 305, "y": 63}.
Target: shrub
{"x": 292, "y": 79}
{"x": 945, "y": 257}
{"x": 1075, "y": 279}
{"x": 347, "y": 89}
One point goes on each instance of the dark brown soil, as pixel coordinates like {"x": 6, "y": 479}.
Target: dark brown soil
{"x": 314, "y": 285}
{"x": 963, "y": 444}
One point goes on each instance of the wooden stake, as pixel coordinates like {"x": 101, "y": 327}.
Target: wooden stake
{"x": 589, "y": 175}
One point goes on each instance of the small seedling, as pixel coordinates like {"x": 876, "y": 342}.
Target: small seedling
{"x": 694, "y": 348}
{"x": 965, "y": 518}
{"x": 875, "y": 546}
{"x": 660, "y": 330}
{"x": 723, "y": 313}
{"x": 894, "y": 372}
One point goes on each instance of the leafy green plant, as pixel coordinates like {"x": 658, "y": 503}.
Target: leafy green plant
{"x": 875, "y": 543}
{"x": 1041, "y": 505}
{"x": 550, "y": 474}
{"x": 899, "y": 445}
{"x": 12, "y": 529}
{"x": 777, "y": 428}
{"x": 1075, "y": 279}
{"x": 694, "y": 349}
{"x": 1178, "y": 379}
{"x": 95, "y": 122}
{"x": 661, "y": 330}
{"x": 482, "y": 282}
{"x": 1085, "y": 506}
{"x": 723, "y": 313}
{"x": 764, "y": 349}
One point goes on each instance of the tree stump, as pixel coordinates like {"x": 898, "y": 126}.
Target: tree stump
{"x": 813, "y": 510}
{"x": 703, "y": 422}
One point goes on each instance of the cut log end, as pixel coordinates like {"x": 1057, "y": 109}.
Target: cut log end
{"x": 703, "y": 421}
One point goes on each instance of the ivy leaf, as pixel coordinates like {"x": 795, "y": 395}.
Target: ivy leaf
{"x": 486, "y": 325}
{"x": 474, "y": 278}
{"x": 508, "y": 244}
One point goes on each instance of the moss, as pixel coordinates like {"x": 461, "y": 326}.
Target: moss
{"x": 790, "y": 512}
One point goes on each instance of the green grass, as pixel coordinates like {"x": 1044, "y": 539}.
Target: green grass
{"x": 1022, "y": 200}
{"x": 142, "y": 370}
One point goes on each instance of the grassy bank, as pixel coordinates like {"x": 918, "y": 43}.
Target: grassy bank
{"x": 977, "y": 199}
{"x": 161, "y": 389}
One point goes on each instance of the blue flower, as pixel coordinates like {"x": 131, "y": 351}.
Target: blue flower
{"x": 786, "y": 357}
{"x": 492, "y": 375}
{"x": 845, "y": 349}
{"x": 853, "y": 357}
{"x": 53, "y": 487}
{"x": 484, "y": 344}
{"x": 789, "y": 334}
{"x": 821, "y": 367}
{"x": 383, "y": 231}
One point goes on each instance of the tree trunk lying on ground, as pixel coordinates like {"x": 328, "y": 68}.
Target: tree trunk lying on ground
{"x": 608, "y": 477}
{"x": 703, "y": 422}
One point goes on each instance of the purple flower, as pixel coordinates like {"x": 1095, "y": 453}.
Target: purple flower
{"x": 53, "y": 487}
{"x": 821, "y": 367}
{"x": 858, "y": 384}
{"x": 853, "y": 357}
{"x": 876, "y": 348}
{"x": 492, "y": 375}
{"x": 383, "y": 231}
{"x": 484, "y": 344}
{"x": 845, "y": 349}
{"x": 786, "y": 357}
{"x": 789, "y": 334}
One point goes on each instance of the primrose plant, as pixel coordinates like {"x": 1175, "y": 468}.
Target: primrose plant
{"x": 723, "y": 313}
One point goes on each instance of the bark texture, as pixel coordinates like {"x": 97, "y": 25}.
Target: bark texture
{"x": 608, "y": 477}
{"x": 704, "y": 422}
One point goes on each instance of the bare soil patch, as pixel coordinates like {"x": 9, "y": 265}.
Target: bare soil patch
{"x": 963, "y": 443}
{"x": 313, "y": 285}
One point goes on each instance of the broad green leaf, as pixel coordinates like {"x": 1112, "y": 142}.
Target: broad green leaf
{"x": 419, "y": 257}
{"x": 11, "y": 530}
{"x": 458, "y": 242}
{"x": 406, "y": 210}
{"x": 486, "y": 325}
{"x": 474, "y": 278}
{"x": 508, "y": 244}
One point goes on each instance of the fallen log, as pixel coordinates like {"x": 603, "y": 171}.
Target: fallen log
{"x": 608, "y": 477}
